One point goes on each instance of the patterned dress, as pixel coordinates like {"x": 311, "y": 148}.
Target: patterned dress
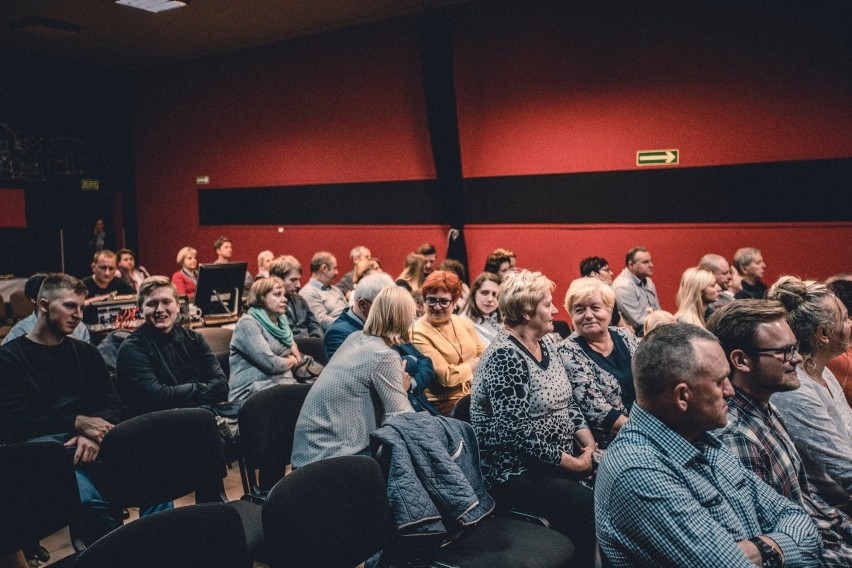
{"x": 522, "y": 410}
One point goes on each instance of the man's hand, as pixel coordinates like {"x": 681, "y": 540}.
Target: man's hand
{"x": 92, "y": 427}
{"x": 751, "y": 551}
{"x": 87, "y": 450}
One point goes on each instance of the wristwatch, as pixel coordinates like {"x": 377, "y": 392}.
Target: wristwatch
{"x": 771, "y": 557}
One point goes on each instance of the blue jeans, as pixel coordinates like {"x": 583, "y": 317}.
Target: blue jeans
{"x": 97, "y": 517}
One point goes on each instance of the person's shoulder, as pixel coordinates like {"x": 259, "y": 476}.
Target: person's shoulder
{"x": 464, "y": 323}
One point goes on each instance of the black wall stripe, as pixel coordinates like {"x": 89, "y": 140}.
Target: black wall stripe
{"x": 815, "y": 190}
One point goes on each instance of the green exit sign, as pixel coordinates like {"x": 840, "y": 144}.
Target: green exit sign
{"x": 90, "y": 184}
{"x": 657, "y": 157}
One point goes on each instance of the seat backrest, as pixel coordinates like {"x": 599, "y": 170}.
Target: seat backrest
{"x": 161, "y": 456}
{"x": 219, "y": 340}
{"x": 313, "y": 346}
{"x": 38, "y": 492}
{"x": 21, "y": 306}
{"x": 267, "y": 426}
{"x": 209, "y": 535}
{"x": 461, "y": 410}
{"x": 329, "y": 514}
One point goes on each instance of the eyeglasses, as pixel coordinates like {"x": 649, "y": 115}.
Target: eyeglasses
{"x": 788, "y": 351}
{"x": 432, "y": 301}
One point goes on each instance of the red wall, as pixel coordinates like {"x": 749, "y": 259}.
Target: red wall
{"x": 541, "y": 88}
{"x": 810, "y": 250}
{"x": 546, "y": 88}
{"x": 13, "y": 209}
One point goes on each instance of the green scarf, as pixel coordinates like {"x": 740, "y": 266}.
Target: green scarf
{"x": 280, "y": 330}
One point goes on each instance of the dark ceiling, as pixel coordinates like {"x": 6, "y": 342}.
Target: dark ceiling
{"x": 104, "y": 33}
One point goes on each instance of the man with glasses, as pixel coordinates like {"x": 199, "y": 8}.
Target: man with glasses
{"x": 763, "y": 354}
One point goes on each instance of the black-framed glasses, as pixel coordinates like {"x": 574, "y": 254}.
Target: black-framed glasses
{"x": 432, "y": 301}
{"x": 788, "y": 351}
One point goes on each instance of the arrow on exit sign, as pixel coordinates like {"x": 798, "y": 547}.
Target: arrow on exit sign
{"x": 657, "y": 157}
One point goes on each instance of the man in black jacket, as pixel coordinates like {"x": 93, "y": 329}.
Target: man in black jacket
{"x": 55, "y": 387}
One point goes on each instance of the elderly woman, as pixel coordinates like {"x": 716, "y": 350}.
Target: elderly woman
{"x": 186, "y": 278}
{"x": 262, "y": 348}
{"x": 816, "y": 414}
{"x": 535, "y": 446}
{"x": 482, "y": 309}
{"x": 364, "y": 384}
{"x": 597, "y": 358}
{"x": 697, "y": 291}
{"x": 450, "y": 341}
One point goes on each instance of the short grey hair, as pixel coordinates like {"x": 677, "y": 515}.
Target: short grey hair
{"x": 520, "y": 293}
{"x": 665, "y": 357}
{"x": 743, "y": 257}
{"x": 710, "y": 261}
{"x": 370, "y": 286}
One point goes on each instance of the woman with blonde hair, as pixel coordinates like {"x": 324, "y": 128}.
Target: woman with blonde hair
{"x": 186, "y": 278}
{"x": 262, "y": 348}
{"x": 414, "y": 273}
{"x": 598, "y": 357}
{"x": 363, "y": 385}
{"x": 697, "y": 291}
{"x": 534, "y": 443}
{"x": 816, "y": 414}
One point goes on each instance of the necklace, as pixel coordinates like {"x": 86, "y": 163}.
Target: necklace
{"x": 441, "y": 333}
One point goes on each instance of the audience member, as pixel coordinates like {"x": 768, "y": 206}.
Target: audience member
{"x": 450, "y": 341}
{"x": 104, "y": 283}
{"x": 360, "y": 388}
{"x": 224, "y": 248}
{"x": 418, "y": 366}
{"x": 324, "y": 300}
{"x": 668, "y": 492}
{"x": 413, "y": 272}
{"x": 635, "y": 293}
{"x": 499, "y": 262}
{"x": 301, "y": 319}
{"x": 347, "y": 282}
{"x": 598, "y": 267}
{"x": 816, "y": 414}
{"x": 597, "y": 358}
{"x": 749, "y": 264}
{"x": 162, "y": 365}
{"x": 457, "y": 268}
{"x": 430, "y": 254}
{"x": 130, "y": 273}
{"x": 841, "y": 365}
{"x": 262, "y": 348}
{"x": 483, "y": 308}
{"x": 186, "y": 278}
{"x": 763, "y": 355}
{"x": 352, "y": 319}
{"x": 26, "y": 325}
{"x": 721, "y": 270}
{"x": 696, "y": 292}
{"x": 55, "y": 387}
{"x": 264, "y": 259}
{"x": 365, "y": 267}
{"x": 658, "y": 318}
{"x": 100, "y": 239}
{"x": 526, "y": 421}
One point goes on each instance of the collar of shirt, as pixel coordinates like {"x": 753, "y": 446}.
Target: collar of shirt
{"x": 747, "y": 403}
{"x": 319, "y": 285}
{"x": 670, "y": 443}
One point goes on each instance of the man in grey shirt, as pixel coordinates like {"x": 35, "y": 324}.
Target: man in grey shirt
{"x": 635, "y": 293}
{"x": 326, "y": 302}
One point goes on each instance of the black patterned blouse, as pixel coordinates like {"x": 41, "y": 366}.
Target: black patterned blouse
{"x": 522, "y": 410}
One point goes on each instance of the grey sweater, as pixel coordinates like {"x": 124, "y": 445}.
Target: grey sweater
{"x": 258, "y": 360}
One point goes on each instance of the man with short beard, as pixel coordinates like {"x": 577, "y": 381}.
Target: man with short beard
{"x": 763, "y": 354}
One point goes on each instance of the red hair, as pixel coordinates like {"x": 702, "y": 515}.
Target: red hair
{"x": 442, "y": 281}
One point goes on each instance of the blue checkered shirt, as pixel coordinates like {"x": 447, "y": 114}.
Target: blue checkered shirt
{"x": 757, "y": 436}
{"x": 662, "y": 501}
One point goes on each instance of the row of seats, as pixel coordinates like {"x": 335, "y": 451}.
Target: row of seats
{"x": 331, "y": 513}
